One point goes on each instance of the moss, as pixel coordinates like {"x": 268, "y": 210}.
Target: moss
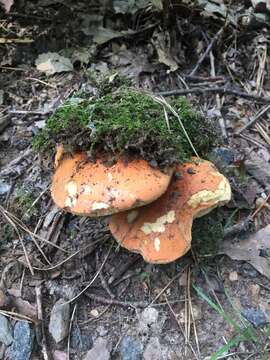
{"x": 23, "y": 202}
{"x": 208, "y": 233}
{"x": 130, "y": 122}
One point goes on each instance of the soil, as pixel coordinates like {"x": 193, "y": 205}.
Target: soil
{"x": 159, "y": 55}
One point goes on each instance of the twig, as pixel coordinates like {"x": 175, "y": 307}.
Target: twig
{"x": 181, "y": 328}
{"x": 218, "y": 89}
{"x": 218, "y": 101}
{"x": 16, "y": 316}
{"x": 70, "y": 257}
{"x": 94, "y": 278}
{"x": 253, "y": 120}
{"x": 45, "y": 352}
{"x": 208, "y": 49}
{"x": 121, "y": 270}
{"x": 70, "y": 328}
{"x": 260, "y": 207}
{"x": 103, "y": 280}
{"x": 192, "y": 314}
{"x": 103, "y": 300}
{"x": 168, "y": 285}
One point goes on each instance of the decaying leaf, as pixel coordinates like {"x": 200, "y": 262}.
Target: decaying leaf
{"x": 161, "y": 43}
{"x": 255, "y": 250}
{"x": 51, "y": 63}
{"x": 102, "y": 35}
{"x": 7, "y": 4}
{"x": 129, "y": 6}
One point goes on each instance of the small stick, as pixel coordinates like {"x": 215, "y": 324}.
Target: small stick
{"x": 253, "y": 120}
{"x": 260, "y": 207}
{"x": 218, "y": 101}
{"x": 101, "y": 299}
{"x": 168, "y": 285}
{"x": 103, "y": 280}
{"x": 70, "y": 328}
{"x": 45, "y": 352}
{"x": 208, "y": 49}
{"x": 218, "y": 89}
{"x": 121, "y": 270}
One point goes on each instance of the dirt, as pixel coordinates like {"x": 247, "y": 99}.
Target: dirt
{"x": 158, "y": 56}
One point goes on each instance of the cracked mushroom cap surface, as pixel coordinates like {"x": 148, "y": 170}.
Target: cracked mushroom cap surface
{"x": 94, "y": 189}
{"x": 161, "y": 231}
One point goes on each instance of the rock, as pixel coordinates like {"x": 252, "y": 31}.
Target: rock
{"x": 4, "y": 122}
{"x": 4, "y": 300}
{"x": 261, "y": 5}
{"x": 4, "y": 187}
{"x": 233, "y": 276}
{"x": 223, "y": 156}
{"x": 60, "y": 355}
{"x": 59, "y": 320}
{"x": 149, "y": 316}
{"x": 100, "y": 351}
{"x": 80, "y": 341}
{"x": 148, "y": 321}
{"x": 22, "y": 345}
{"x": 152, "y": 350}
{"x": 130, "y": 348}
{"x": 255, "y": 316}
{"x": 5, "y": 331}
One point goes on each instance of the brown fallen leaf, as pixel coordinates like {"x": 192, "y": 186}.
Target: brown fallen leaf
{"x": 23, "y": 307}
{"x": 255, "y": 250}
{"x": 7, "y": 4}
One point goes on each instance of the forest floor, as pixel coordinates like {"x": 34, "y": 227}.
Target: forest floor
{"x": 206, "y": 305}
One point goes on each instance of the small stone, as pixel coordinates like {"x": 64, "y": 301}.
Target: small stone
{"x": 233, "y": 276}
{"x": 94, "y": 313}
{"x": 80, "y": 341}
{"x": 4, "y": 300}
{"x": 22, "y": 345}
{"x": 149, "y": 316}
{"x": 102, "y": 331}
{"x": 4, "y": 187}
{"x": 60, "y": 355}
{"x": 5, "y": 331}
{"x": 130, "y": 348}
{"x": 100, "y": 351}
{"x": 59, "y": 320}
{"x": 153, "y": 350}
{"x": 255, "y": 316}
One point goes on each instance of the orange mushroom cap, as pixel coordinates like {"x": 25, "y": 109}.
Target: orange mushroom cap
{"x": 161, "y": 231}
{"x": 93, "y": 189}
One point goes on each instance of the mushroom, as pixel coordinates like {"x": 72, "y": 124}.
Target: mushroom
{"x": 161, "y": 231}
{"x": 90, "y": 188}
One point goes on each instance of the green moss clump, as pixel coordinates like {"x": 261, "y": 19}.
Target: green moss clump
{"x": 208, "y": 233}
{"x": 130, "y": 122}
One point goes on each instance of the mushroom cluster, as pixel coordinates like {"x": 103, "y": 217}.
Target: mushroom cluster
{"x": 152, "y": 210}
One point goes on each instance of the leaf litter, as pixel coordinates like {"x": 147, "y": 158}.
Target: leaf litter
{"x": 158, "y": 51}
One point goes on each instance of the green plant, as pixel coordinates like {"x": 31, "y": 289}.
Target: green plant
{"x": 23, "y": 202}
{"x": 244, "y": 331}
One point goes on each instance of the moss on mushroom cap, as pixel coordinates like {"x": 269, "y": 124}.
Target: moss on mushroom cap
{"x": 130, "y": 122}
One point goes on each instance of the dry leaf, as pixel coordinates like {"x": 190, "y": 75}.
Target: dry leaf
{"x": 255, "y": 250}
{"x": 7, "y": 4}
{"x": 51, "y": 63}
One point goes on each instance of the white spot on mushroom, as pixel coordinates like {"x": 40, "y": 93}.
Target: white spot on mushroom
{"x": 99, "y": 205}
{"x": 132, "y": 215}
{"x": 159, "y": 224}
{"x": 70, "y": 201}
{"x": 219, "y": 197}
{"x": 157, "y": 244}
{"x": 71, "y": 188}
{"x": 110, "y": 177}
{"x": 86, "y": 189}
